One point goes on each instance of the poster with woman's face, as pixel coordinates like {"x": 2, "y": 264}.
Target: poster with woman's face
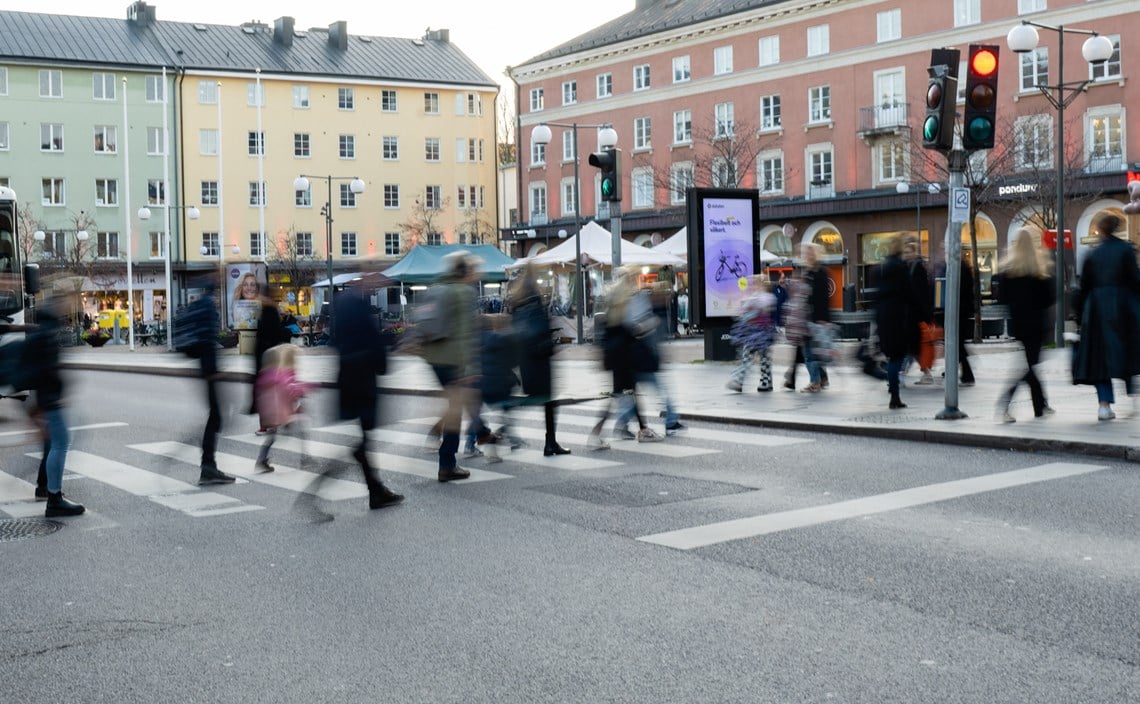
{"x": 243, "y": 290}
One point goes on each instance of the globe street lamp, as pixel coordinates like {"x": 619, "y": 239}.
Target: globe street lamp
{"x": 1096, "y": 50}
{"x": 193, "y": 213}
{"x": 607, "y": 139}
{"x": 356, "y": 185}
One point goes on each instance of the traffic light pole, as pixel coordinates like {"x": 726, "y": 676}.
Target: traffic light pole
{"x": 615, "y": 229}
{"x": 957, "y": 164}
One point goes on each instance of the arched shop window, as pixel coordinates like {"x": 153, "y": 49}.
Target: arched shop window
{"x": 829, "y": 238}
{"x": 773, "y": 240}
{"x": 987, "y": 255}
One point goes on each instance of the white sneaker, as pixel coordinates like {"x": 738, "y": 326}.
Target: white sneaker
{"x": 1105, "y": 413}
{"x": 595, "y": 442}
{"x": 648, "y": 435}
{"x": 491, "y": 453}
{"x": 926, "y": 380}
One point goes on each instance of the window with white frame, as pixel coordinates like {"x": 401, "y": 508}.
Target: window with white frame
{"x": 537, "y": 154}
{"x": 255, "y": 143}
{"x": 434, "y": 239}
{"x": 348, "y": 244}
{"x": 569, "y": 148}
{"x": 891, "y": 161}
{"x": 770, "y": 172}
{"x": 301, "y": 97}
{"x": 821, "y": 171}
{"x": 641, "y": 182}
{"x": 681, "y": 69}
{"x": 1104, "y": 138}
{"x": 103, "y": 87}
{"x": 106, "y": 192}
{"x": 461, "y": 198}
{"x": 207, "y": 92}
{"x": 431, "y": 103}
{"x": 157, "y": 251}
{"x": 1026, "y": 6}
{"x": 1108, "y": 70}
{"x": 388, "y": 101}
{"x": 819, "y": 104}
{"x": 51, "y": 83}
{"x": 105, "y": 139}
{"x": 155, "y": 192}
{"x": 155, "y": 89}
{"x": 303, "y": 199}
{"x": 254, "y": 94}
{"x": 3, "y": 80}
{"x": 391, "y": 244}
{"x": 536, "y": 99}
{"x": 256, "y": 244}
{"x": 432, "y": 198}
{"x": 345, "y": 98}
{"x": 888, "y": 25}
{"x": 55, "y": 245}
{"x": 818, "y": 40}
{"x": 256, "y": 193}
{"x": 391, "y": 195}
{"x": 770, "y": 118}
{"x": 302, "y": 146}
{"x": 475, "y": 103}
{"x": 537, "y": 198}
{"x": 475, "y": 150}
{"x": 347, "y": 196}
{"x": 962, "y": 82}
{"x": 431, "y": 149}
{"x": 208, "y": 193}
{"x": 51, "y": 137}
{"x": 4, "y": 138}
{"x": 641, "y": 77}
{"x": 967, "y": 12}
{"x": 390, "y": 148}
{"x": 155, "y": 144}
{"x": 1033, "y": 135}
{"x": 724, "y": 173}
{"x": 210, "y": 244}
{"x": 605, "y": 85}
{"x": 569, "y": 190}
{"x": 1033, "y": 68}
{"x": 569, "y": 92}
{"x": 642, "y": 133}
{"x": 346, "y": 146}
{"x": 770, "y": 50}
{"x": 683, "y": 127}
{"x": 680, "y": 181}
{"x": 724, "y": 119}
{"x": 722, "y": 60}
{"x": 304, "y": 244}
{"x": 208, "y": 142}
{"x": 107, "y": 245}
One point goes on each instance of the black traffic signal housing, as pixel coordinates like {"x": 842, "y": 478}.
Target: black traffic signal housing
{"x": 980, "y": 120}
{"x": 609, "y": 162}
{"x": 941, "y": 99}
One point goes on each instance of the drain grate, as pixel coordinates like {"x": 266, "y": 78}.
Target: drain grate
{"x": 888, "y": 418}
{"x": 23, "y": 528}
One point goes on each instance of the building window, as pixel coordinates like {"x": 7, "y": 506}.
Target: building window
{"x": 641, "y": 77}
{"x": 770, "y": 112}
{"x": 569, "y": 92}
{"x": 537, "y": 203}
{"x": 770, "y": 172}
{"x": 683, "y": 127}
{"x": 1026, "y": 6}
{"x": 461, "y": 198}
{"x": 605, "y": 83}
{"x": 301, "y": 97}
{"x": 347, "y": 197}
{"x": 155, "y": 89}
{"x": 255, "y": 143}
{"x": 967, "y": 12}
{"x": 303, "y": 199}
{"x": 348, "y": 244}
{"x": 391, "y": 244}
{"x": 208, "y": 142}
{"x": 536, "y": 99}
{"x": 569, "y": 196}
{"x": 1034, "y": 136}
{"x": 155, "y": 192}
{"x": 55, "y": 245}
{"x": 889, "y": 25}
{"x": 209, "y": 193}
{"x": 642, "y": 133}
{"x": 1034, "y": 68}
{"x": 347, "y": 146}
{"x": 207, "y": 92}
{"x": 432, "y": 199}
{"x": 390, "y": 148}
{"x": 431, "y": 148}
{"x": 254, "y": 95}
{"x": 391, "y": 195}
{"x": 104, "y": 86}
{"x": 434, "y": 238}
{"x": 681, "y": 69}
{"x": 641, "y": 180}
{"x": 155, "y": 143}
{"x": 256, "y": 193}
{"x": 51, "y": 137}
{"x": 1104, "y": 138}
{"x": 724, "y": 174}
{"x": 156, "y": 248}
{"x": 51, "y": 83}
{"x": 819, "y": 104}
{"x": 388, "y": 101}
{"x": 3, "y": 80}
{"x": 210, "y": 244}
{"x": 1109, "y": 69}
{"x": 106, "y": 191}
{"x": 345, "y": 99}
{"x": 537, "y": 154}
{"x": 304, "y": 244}
{"x": 475, "y": 150}
{"x": 680, "y": 181}
{"x": 107, "y": 245}
{"x": 569, "y": 148}
{"x": 256, "y": 244}
{"x": 818, "y": 40}
{"x": 431, "y": 103}
{"x": 4, "y": 143}
{"x": 475, "y": 104}
{"x": 301, "y": 146}
{"x": 722, "y": 60}
{"x": 821, "y": 174}
{"x": 725, "y": 120}
{"x": 104, "y": 139}
{"x": 51, "y": 191}
{"x": 770, "y": 50}
{"x": 891, "y": 161}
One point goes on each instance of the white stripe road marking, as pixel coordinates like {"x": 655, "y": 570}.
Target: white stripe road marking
{"x": 92, "y": 426}
{"x": 160, "y": 489}
{"x": 283, "y": 478}
{"x": 17, "y": 497}
{"x": 572, "y": 463}
{"x": 713, "y": 533}
{"x": 759, "y": 437}
{"x": 428, "y": 469}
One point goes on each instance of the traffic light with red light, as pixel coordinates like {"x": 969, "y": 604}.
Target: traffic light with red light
{"x": 980, "y": 121}
{"x": 941, "y": 98}
{"x": 609, "y": 162}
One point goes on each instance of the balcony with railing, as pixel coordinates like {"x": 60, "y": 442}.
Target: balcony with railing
{"x": 887, "y": 118}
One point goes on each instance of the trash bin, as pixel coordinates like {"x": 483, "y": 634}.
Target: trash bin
{"x": 849, "y": 298}
{"x": 247, "y": 341}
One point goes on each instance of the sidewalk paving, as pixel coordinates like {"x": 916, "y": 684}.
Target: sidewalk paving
{"x": 855, "y": 404}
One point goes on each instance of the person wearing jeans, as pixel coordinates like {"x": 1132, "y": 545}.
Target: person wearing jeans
{"x": 818, "y": 310}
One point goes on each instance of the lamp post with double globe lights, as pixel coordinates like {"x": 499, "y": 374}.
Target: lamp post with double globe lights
{"x": 356, "y": 186}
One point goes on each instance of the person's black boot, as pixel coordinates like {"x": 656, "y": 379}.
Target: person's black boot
{"x": 896, "y": 402}
{"x": 41, "y": 493}
{"x": 553, "y": 448}
{"x": 59, "y": 506}
{"x": 382, "y": 496}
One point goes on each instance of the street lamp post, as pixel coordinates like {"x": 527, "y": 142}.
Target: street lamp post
{"x": 81, "y": 237}
{"x": 1096, "y": 50}
{"x": 356, "y": 185}
{"x": 902, "y": 187}
{"x": 193, "y": 213}
{"x": 607, "y": 139}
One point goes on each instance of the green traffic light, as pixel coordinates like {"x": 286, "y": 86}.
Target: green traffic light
{"x": 607, "y": 187}
{"x": 930, "y": 129}
{"x": 980, "y": 130}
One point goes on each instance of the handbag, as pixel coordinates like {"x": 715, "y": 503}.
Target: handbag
{"x": 822, "y": 341}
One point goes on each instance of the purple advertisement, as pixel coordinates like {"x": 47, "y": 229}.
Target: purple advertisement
{"x": 728, "y": 254}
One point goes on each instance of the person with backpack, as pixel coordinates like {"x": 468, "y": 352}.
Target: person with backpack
{"x": 536, "y": 347}
{"x": 196, "y": 334}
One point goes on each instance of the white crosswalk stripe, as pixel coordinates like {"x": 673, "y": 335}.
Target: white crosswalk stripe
{"x": 758, "y": 437}
{"x": 17, "y": 498}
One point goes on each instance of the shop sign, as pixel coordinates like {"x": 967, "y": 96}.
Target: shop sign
{"x": 1049, "y": 239}
{"x": 1017, "y": 190}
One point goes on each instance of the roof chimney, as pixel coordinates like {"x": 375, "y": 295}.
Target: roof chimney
{"x": 283, "y": 31}
{"x": 140, "y": 14}
{"x": 338, "y": 35}
{"x": 438, "y": 35}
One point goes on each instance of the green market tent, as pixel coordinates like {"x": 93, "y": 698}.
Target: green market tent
{"x": 424, "y": 263}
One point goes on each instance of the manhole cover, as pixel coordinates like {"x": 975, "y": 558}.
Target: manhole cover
{"x": 22, "y": 528}
{"x": 635, "y": 490}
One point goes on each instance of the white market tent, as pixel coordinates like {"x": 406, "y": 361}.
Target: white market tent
{"x": 597, "y": 249}
{"x": 677, "y": 244}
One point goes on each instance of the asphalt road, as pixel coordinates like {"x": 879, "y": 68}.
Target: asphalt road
{"x": 731, "y": 565}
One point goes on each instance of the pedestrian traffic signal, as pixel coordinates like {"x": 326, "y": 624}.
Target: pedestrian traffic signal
{"x": 609, "y": 161}
{"x": 941, "y": 96}
{"x": 978, "y": 126}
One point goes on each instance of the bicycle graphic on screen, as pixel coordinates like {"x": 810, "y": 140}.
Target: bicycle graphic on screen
{"x": 737, "y": 268}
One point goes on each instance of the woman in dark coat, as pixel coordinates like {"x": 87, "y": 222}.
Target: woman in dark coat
{"x": 1026, "y": 288}
{"x": 270, "y": 333}
{"x": 818, "y": 311}
{"x": 532, "y": 330}
{"x": 1108, "y": 303}
{"x": 896, "y": 315}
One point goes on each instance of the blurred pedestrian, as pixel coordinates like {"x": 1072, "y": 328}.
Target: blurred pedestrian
{"x": 270, "y": 333}
{"x": 896, "y": 315}
{"x": 965, "y": 321}
{"x": 818, "y": 317}
{"x": 753, "y": 333}
{"x": 1108, "y": 306}
{"x": 923, "y": 311}
{"x": 201, "y": 319}
{"x": 278, "y": 393}
{"x": 1025, "y": 286}
{"x": 536, "y": 346}
{"x": 646, "y": 321}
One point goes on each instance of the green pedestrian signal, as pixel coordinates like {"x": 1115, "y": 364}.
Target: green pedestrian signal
{"x": 609, "y": 162}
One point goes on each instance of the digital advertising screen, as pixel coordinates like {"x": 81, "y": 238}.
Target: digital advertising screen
{"x": 723, "y": 230}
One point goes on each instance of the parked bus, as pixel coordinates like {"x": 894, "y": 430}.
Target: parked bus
{"x": 19, "y": 281}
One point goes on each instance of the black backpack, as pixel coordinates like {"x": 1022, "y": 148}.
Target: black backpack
{"x": 191, "y": 329}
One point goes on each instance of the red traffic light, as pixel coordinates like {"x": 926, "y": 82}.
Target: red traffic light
{"x": 983, "y": 62}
